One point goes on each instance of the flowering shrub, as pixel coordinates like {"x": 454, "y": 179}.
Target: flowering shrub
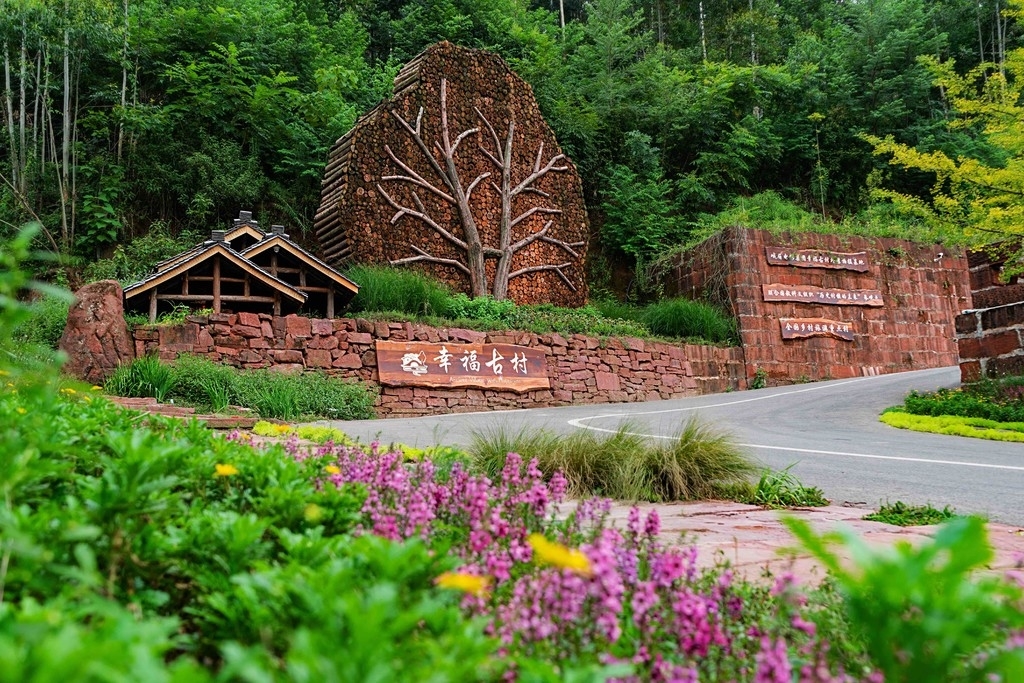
{"x": 620, "y": 599}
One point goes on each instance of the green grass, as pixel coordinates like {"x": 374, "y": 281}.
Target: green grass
{"x": 382, "y": 288}
{"x": 696, "y": 465}
{"x": 684, "y": 319}
{"x": 952, "y": 425}
{"x": 48, "y": 316}
{"x": 197, "y": 381}
{"x": 902, "y": 514}
{"x": 783, "y": 490}
{"x": 397, "y": 294}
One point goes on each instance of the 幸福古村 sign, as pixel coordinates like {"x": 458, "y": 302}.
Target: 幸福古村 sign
{"x": 819, "y": 295}
{"x": 817, "y": 258}
{"x": 800, "y": 328}
{"x": 489, "y": 366}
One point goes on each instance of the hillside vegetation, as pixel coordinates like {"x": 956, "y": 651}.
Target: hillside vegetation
{"x": 168, "y": 116}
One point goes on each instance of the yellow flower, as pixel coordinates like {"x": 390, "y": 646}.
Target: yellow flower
{"x": 557, "y": 555}
{"x": 332, "y": 469}
{"x": 21, "y": 411}
{"x": 97, "y": 387}
{"x": 282, "y": 429}
{"x": 69, "y": 391}
{"x": 313, "y": 513}
{"x": 225, "y": 470}
{"x": 467, "y": 583}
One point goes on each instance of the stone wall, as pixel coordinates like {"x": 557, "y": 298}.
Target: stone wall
{"x": 923, "y": 288}
{"x": 990, "y": 342}
{"x": 581, "y": 369}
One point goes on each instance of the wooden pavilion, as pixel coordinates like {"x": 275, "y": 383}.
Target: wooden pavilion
{"x": 272, "y": 274}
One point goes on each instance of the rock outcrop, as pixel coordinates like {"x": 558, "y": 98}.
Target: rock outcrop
{"x": 96, "y": 338}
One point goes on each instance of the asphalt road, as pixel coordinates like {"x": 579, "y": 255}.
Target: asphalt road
{"x": 828, "y": 431}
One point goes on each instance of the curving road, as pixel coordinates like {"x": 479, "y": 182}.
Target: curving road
{"x": 829, "y": 432}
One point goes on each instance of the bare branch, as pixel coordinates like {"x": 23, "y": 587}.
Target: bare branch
{"x": 531, "y": 238}
{"x": 421, "y": 214}
{"x": 430, "y": 258}
{"x": 539, "y": 172}
{"x": 537, "y": 209}
{"x": 490, "y": 156}
{"x": 494, "y": 136}
{"x": 472, "y": 185}
{"x": 536, "y": 269}
{"x": 418, "y": 138}
{"x": 414, "y": 177}
{"x": 568, "y": 246}
{"x": 462, "y": 136}
{"x": 536, "y": 190}
{"x": 28, "y": 207}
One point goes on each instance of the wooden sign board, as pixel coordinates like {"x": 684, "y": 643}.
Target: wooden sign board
{"x": 818, "y": 295}
{"x": 488, "y": 366}
{"x": 817, "y": 258}
{"x": 801, "y": 328}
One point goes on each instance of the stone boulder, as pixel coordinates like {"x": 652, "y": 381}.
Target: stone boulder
{"x": 96, "y": 338}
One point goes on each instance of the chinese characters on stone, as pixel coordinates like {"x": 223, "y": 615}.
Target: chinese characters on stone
{"x": 518, "y": 368}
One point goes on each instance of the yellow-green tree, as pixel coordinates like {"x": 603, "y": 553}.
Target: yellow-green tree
{"x": 981, "y": 199}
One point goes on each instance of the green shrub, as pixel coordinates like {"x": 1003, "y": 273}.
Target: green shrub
{"x": 592, "y": 463}
{"x": 923, "y": 611}
{"x": 483, "y": 308}
{"x": 783, "y": 490}
{"x": 383, "y": 288}
{"x": 683, "y": 318}
{"x": 49, "y": 317}
{"x": 201, "y": 382}
{"x": 146, "y": 376}
{"x": 134, "y": 261}
{"x": 695, "y": 464}
{"x": 614, "y": 309}
{"x": 622, "y": 465}
{"x": 902, "y": 514}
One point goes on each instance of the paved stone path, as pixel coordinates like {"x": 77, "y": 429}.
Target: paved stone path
{"x": 753, "y": 539}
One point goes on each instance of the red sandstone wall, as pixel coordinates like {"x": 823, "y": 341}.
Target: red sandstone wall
{"x": 915, "y": 329}
{"x": 990, "y": 342}
{"x": 581, "y": 369}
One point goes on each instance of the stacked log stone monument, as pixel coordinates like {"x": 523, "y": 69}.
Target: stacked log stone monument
{"x": 458, "y": 173}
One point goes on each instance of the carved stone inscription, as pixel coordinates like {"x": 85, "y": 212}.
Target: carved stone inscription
{"x": 818, "y": 295}
{"x": 817, "y": 258}
{"x": 800, "y": 328}
{"x": 490, "y": 366}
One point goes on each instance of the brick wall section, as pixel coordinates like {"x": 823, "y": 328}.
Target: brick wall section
{"x": 990, "y": 342}
{"x": 915, "y": 329}
{"x": 581, "y": 369}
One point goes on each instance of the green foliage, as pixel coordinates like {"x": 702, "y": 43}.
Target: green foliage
{"x": 760, "y": 379}
{"x": 902, "y": 514}
{"x": 684, "y": 318}
{"x": 986, "y": 400}
{"x": 696, "y": 465}
{"x": 485, "y": 309}
{"x": 145, "y": 376}
{"x": 201, "y": 382}
{"x": 922, "y": 612}
{"x": 383, "y": 288}
{"x": 133, "y": 261}
{"x": 784, "y": 490}
{"x": 951, "y": 425}
{"x": 49, "y": 317}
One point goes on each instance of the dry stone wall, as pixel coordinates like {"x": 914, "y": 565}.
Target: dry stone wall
{"x": 990, "y": 342}
{"x": 581, "y": 369}
{"x": 922, "y": 288}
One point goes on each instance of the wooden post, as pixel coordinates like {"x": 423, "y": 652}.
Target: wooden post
{"x": 277, "y": 303}
{"x": 273, "y": 262}
{"x": 152, "y": 306}
{"x": 245, "y": 286}
{"x": 184, "y": 283}
{"x": 330, "y": 301}
{"x": 216, "y": 284}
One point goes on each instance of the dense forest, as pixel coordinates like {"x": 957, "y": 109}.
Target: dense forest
{"x": 133, "y": 117}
